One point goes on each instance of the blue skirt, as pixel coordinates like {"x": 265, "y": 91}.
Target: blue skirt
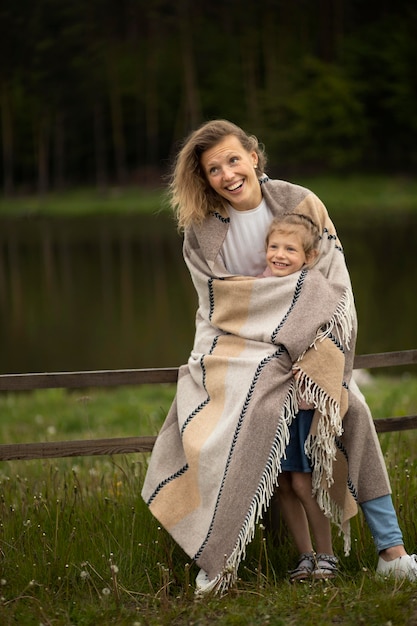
{"x": 296, "y": 459}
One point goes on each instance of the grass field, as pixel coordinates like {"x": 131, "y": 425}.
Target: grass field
{"x": 79, "y": 547}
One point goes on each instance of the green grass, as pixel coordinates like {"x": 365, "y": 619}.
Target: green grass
{"x": 355, "y": 194}
{"x": 79, "y": 547}
{"x": 86, "y": 201}
{"x": 363, "y": 196}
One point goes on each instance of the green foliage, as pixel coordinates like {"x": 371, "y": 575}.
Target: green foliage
{"x": 325, "y": 124}
{"x": 78, "y": 545}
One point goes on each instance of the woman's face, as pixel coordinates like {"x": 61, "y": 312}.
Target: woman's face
{"x": 230, "y": 171}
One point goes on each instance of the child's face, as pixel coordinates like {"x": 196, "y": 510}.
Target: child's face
{"x": 285, "y": 253}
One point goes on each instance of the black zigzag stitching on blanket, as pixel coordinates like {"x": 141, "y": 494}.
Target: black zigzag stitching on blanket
{"x": 330, "y": 237}
{"x": 206, "y": 401}
{"x": 294, "y": 300}
{"x": 211, "y": 295}
{"x": 350, "y": 484}
{"x": 225, "y": 220}
{"x": 194, "y": 413}
{"x": 166, "y": 481}
{"x": 214, "y": 344}
{"x": 258, "y": 372}
{"x": 336, "y": 342}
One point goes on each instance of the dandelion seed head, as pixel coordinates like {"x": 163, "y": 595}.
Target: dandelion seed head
{"x": 51, "y": 430}
{"x": 106, "y": 591}
{"x": 114, "y": 569}
{"x": 3, "y": 581}
{"x": 84, "y": 574}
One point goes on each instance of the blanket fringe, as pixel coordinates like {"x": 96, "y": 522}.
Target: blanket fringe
{"x": 262, "y": 497}
{"x": 342, "y": 322}
{"x": 321, "y": 449}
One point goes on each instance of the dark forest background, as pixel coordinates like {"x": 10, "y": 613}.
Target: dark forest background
{"x": 101, "y": 91}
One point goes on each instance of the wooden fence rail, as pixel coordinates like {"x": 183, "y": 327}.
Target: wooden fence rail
{"x": 114, "y": 378}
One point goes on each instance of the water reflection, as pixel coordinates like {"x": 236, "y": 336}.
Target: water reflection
{"x": 110, "y": 293}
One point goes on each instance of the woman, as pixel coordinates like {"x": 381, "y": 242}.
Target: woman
{"x": 217, "y": 459}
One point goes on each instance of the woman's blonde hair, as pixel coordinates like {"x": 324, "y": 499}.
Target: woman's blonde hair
{"x": 301, "y": 224}
{"x": 190, "y": 195}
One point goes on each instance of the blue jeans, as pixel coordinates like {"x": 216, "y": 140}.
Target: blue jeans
{"x": 382, "y": 520}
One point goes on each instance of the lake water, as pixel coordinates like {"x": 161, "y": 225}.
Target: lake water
{"x": 114, "y": 293}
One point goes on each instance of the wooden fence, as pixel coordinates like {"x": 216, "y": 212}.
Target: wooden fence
{"x": 114, "y": 378}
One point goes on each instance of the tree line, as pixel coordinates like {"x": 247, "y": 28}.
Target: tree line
{"x": 101, "y": 92}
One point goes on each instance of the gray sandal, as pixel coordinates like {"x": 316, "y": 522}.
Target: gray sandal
{"x": 305, "y": 566}
{"x": 326, "y": 567}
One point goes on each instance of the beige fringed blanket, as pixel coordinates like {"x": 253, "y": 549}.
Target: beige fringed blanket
{"x": 216, "y": 461}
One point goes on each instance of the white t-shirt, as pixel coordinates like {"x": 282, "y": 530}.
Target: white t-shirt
{"x": 243, "y": 251}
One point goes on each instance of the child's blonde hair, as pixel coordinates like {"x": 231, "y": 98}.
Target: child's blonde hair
{"x": 289, "y": 223}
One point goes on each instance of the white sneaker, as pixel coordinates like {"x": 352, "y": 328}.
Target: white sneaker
{"x": 203, "y": 584}
{"x": 402, "y": 567}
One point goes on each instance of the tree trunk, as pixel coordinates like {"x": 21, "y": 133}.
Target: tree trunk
{"x": 116, "y": 112}
{"x": 7, "y": 135}
{"x": 151, "y": 94}
{"x": 192, "y": 100}
{"x": 59, "y": 151}
{"x": 249, "y": 69}
{"x": 100, "y": 147}
{"x": 43, "y": 154}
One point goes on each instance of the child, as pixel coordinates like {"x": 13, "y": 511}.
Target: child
{"x": 291, "y": 244}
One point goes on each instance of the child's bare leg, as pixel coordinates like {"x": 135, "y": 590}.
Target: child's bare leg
{"x": 319, "y": 523}
{"x": 294, "y": 514}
